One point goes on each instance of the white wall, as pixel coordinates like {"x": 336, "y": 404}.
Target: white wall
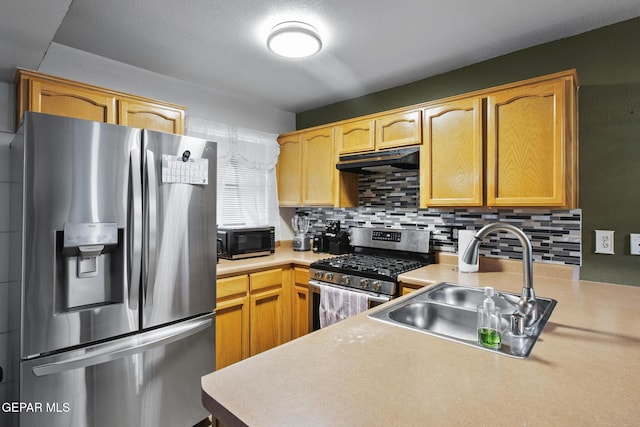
{"x": 8, "y": 331}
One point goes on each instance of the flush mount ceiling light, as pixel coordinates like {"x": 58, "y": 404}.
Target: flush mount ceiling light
{"x": 294, "y": 39}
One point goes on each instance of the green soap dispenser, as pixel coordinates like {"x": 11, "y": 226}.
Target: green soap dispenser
{"x": 489, "y": 319}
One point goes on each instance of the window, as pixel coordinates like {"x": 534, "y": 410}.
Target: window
{"x": 246, "y": 179}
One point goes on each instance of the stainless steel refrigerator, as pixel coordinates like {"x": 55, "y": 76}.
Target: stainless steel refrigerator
{"x": 116, "y": 258}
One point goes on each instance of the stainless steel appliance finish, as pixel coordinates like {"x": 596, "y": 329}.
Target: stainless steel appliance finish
{"x": 449, "y": 311}
{"x": 380, "y": 255}
{"x": 116, "y": 258}
{"x": 245, "y": 242}
{"x": 380, "y": 161}
{"x": 301, "y": 240}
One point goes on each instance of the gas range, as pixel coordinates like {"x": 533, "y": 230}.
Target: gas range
{"x": 380, "y": 256}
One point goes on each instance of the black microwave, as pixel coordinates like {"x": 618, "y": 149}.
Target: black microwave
{"x": 238, "y": 243}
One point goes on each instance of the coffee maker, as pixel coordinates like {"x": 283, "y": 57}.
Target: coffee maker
{"x": 337, "y": 239}
{"x": 300, "y": 223}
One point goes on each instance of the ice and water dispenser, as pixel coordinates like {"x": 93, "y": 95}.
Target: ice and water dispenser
{"x": 90, "y": 259}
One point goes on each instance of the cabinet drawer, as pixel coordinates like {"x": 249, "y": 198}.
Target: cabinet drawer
{"x": 266, "y": 279}
{"x": 231, "y": 286}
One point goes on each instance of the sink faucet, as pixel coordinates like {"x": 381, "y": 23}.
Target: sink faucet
{"x": 526, "y": 305}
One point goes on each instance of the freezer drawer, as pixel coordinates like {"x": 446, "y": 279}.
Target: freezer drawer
{"x": 151, "y": 379}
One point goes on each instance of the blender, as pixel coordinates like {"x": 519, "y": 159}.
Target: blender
{"x": 300, "y": 223}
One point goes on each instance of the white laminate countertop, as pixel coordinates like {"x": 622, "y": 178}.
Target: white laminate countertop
{"x": 584, "y": 370}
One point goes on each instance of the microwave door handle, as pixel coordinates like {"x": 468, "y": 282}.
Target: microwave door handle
{"x": 135, "y": 229}
{"x": 152, "y": 226}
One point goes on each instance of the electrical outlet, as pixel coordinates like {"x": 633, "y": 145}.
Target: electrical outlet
{"x": 604, "y": 242}
{"x": 634, "y": 243}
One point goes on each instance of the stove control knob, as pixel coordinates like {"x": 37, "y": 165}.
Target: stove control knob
{"x": 345, "y": 280}
{"x": 376, "y": 286}
{"x": 329, "y": 276}
{"x": 364, "y": 283}
{"x": 318, "y": 274}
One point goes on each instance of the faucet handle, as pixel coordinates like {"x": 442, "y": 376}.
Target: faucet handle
{"x": 517, "y": 324}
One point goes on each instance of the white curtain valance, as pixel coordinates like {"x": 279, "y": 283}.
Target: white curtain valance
{"x": 245, "y": 172}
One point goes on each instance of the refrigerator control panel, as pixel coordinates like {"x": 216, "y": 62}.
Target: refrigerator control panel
{"x": 95, "y": 233}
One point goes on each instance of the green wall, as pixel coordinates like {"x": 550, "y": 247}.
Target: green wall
{"x": 608, "y": 64}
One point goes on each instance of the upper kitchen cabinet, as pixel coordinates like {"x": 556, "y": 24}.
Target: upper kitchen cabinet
{"x": 307, "y": 174}
{"x": 451, "y": 159}
{"x": 63, "y": 99}
{"x": 398, "y": 130}
{"x": 150, "y": 115}
{"x": 380, "y": 132}
{"x": 318, "y": 167}
{"x": 289, "y": 170}
{"x": 53, "y": 95}
{"x": 356, "y": 137}
{"x": 531, "y": 144}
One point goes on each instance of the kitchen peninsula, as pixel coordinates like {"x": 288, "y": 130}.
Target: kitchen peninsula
{"x": 584, "y": 369}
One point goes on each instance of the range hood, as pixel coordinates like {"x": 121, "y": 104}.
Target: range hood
{"x": 381, "y": 161}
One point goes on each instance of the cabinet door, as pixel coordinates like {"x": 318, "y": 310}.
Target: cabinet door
{"x": 355, "y": 137}
{"x": 529, "y": 145}
{"x": 398, "y": 130}
{"x": 300, "y": 303}
{"x": 318, "y": 167}
{"x": 232, "y": 320}
{"x": 267, "y": 302}
{"x": 70, "y": 101}
{"x": 289, "y": 171}
{"x": 148, "y": 115}
{"x": 451, "y": 162}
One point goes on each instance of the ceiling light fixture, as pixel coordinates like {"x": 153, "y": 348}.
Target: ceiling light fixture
{"x": 294, "y": 39}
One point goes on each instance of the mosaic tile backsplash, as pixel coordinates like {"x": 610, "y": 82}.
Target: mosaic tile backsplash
{"x": 391, "y": 200}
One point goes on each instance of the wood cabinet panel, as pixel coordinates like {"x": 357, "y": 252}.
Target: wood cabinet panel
{"x": 232, "y": 331}
{"x": 300, "y": 303}
{"x": 54, "y": 95}
{"x": 355, "y": 137}
{"x": 265, "y": 279}
{"x": 289, "y": 171}
{"x": 318, "y": 168}
{"x": 232, "y": 320}
{"x": 451, "y": 162}
{"x": 530, "y": 146}
{"x": 52, "y": 98}
{"x": 266, "y": 320}
{"x": 147, "y": 115}
{"x": 398, "y": 130}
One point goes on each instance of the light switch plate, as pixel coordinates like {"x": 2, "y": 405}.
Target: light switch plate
{"x": 634, "y": 243}
{"x": 604, "y": 242}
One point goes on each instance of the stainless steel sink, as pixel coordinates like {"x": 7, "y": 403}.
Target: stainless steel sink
{"x": 448, "y": 311}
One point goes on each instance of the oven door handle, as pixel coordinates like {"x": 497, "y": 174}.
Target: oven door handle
{"x": 370, "y": 296}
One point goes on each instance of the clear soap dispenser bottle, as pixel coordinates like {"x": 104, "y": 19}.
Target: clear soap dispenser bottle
{"x": 489, "y": 319}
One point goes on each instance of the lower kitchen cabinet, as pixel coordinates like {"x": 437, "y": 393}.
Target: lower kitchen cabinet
{"x": 253, "y": 314}
{"x": 232, "y": 320}
{"x": 407, "y": 288}
{"x": 300, "y": 303}
{"x": 267, "y": 302}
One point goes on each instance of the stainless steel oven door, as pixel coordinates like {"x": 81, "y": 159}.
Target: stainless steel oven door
{"x": 314, "y": 301}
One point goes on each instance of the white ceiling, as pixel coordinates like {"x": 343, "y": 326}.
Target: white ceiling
{"x": 369, "y": 45}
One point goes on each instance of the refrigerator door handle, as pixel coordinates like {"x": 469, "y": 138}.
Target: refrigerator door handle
{"x": 127, "y": 346}
{"x": 152, "y": 225}
{"x": 135, "y": 242}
